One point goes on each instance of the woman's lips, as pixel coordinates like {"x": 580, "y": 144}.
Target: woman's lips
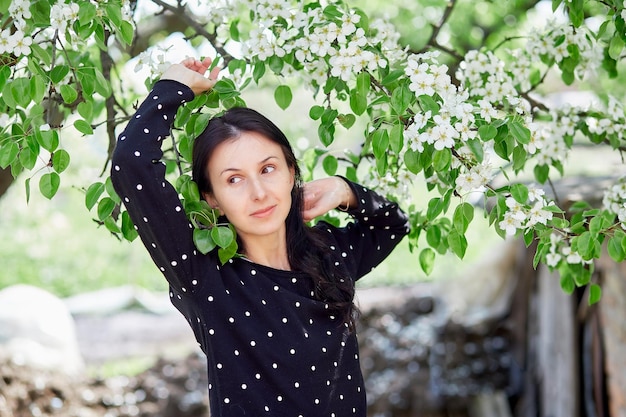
{"x": 264, "y": 212}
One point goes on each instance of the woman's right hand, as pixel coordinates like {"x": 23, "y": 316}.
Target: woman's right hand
{"x": 191, "y": 73}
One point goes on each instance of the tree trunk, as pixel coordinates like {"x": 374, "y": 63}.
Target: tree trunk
{"x": 6, "y": 179}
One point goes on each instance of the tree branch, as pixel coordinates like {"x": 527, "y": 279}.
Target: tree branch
{"x": 181, "y": 12}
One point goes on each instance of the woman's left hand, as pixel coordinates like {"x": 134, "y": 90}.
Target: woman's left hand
{"x": 323, "y": 195}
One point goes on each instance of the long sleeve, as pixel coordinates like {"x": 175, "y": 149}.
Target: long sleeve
{"x": 138, "y": 176}
{"x": 378, "y": 226}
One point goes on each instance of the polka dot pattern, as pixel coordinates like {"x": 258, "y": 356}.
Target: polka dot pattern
{"x": 272, "y": 349}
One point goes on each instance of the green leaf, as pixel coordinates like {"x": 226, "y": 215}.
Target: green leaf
{"x": 28, "y": 158}
{"x": 276, "y": 64}
{"x": 83, "y": 127}
{"x": 567, "y": 283}
{"x": 392, "y": 77}
{"x": 48, "y": 139}
{"x": 258, "y": 71}
{"x": 457, "y": 243}
{"x": 396, "y": 138}
{"x": 615, "y": 248}
{"x": 595, "y": 293}
{"x": 60, "y": 160}
{"x": 105, "y": 208}
{"x": 346, "y": 120}
{"x": 283, "y": 96}
{"x": 412, "y": 161}
{"x": 326, "y": 133}
{"x": 477, "y": 149}
{"x": 433, "y": 235}
{"x": 85, "y": 109}
{"x": 442, "y": 160}
{"x": 529, "y": 236}
{"x": 58, "y": 73}
{"x": 93, "y": 194}
{"x": 380, "y": 142}
{"x": 126, "y": 32}
{"x": 519, "y": 132}
{"x": 128, "y": 228}
{"x": 203, "y": 240}
{"x": 228, "y": 252}
{"x": 330, "y": 165}
{"x": 541, "y": 172}
{"x": 102, "y": 84}
{"x": 37, "y": 88}
{"x": 358, "y": 96}
{"x": 519, "y": 158}
{"x": 427, "y": 260}
{"x": 234, "y": 30}
{"x": 520, "y": 193}
{"x": 487, "y": 132}
{"x": 68, "y": 93}
{"x": 8, "y": 153}
{"x": 463, "y": 216}
{"x": 49, "y": 184}
{"x": 86, "y": 12}
{"x": 435, "y": 207}
{"x": 358, "y": 102}
{"x": 428, "y": 104}
{"x": 222, "y": 236}
{"x": 316, "y": 112}
{"x": 401, "y": 99}
{"x": 5, "y": 73}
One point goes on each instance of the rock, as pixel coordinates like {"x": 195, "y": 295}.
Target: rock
{"x": 37, "y": 330}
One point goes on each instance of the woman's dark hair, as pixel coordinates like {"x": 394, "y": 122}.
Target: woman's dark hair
{"x": 307, "y": 248}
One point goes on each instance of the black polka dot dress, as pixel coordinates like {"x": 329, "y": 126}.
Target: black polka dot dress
{"x": 272, "y": 348}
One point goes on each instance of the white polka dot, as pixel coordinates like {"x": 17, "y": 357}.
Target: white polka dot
{"x": 226, "y": 400}
{"x": 146, "y": 130}
{"x": 270, "y": 334}
{"x": 244, "y": 386}
{"x": 174, "y": 263}
{"x": 253, "y": 272}
{"x": 210, "y": 298}
{"x": 139, "y": 187}
{"x": 137, "y": 153}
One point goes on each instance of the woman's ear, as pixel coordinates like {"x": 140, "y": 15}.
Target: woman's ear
{"x": 209, "y": 198}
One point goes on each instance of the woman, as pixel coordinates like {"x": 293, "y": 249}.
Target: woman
{"x": 277, "y": 323}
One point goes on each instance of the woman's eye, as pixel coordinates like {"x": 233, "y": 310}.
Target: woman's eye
{"x": 234, "y": 180}
{"x": 268, "y": 168}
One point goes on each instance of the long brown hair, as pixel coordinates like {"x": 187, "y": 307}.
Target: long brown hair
{"x": 307, "y": 248}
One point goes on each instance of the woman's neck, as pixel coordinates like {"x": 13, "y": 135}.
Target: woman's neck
{"x": 268, "y": 252}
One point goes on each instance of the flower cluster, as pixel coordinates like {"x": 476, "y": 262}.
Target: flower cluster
{"x": 154, "y": 59}
{"x": 523, "y": 216}
{"x": 484, "y": 77}
{"x": 560, "y": 250}
{"x": 614, "y": 200}
{"x": 338, "y": 48}
{"x": 557, "y": 41}
{"x": 17, "y": 42}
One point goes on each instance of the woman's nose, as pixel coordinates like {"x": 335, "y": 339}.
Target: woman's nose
{"x": 258, "y": 189}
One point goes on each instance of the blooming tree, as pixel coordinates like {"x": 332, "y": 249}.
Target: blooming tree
{"x": 453, "y": 118}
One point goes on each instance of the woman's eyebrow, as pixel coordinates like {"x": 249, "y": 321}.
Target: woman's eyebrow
{"x": 265, "y": 160}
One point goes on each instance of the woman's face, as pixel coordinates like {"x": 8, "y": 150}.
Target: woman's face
{"x": 252, "y": 185}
